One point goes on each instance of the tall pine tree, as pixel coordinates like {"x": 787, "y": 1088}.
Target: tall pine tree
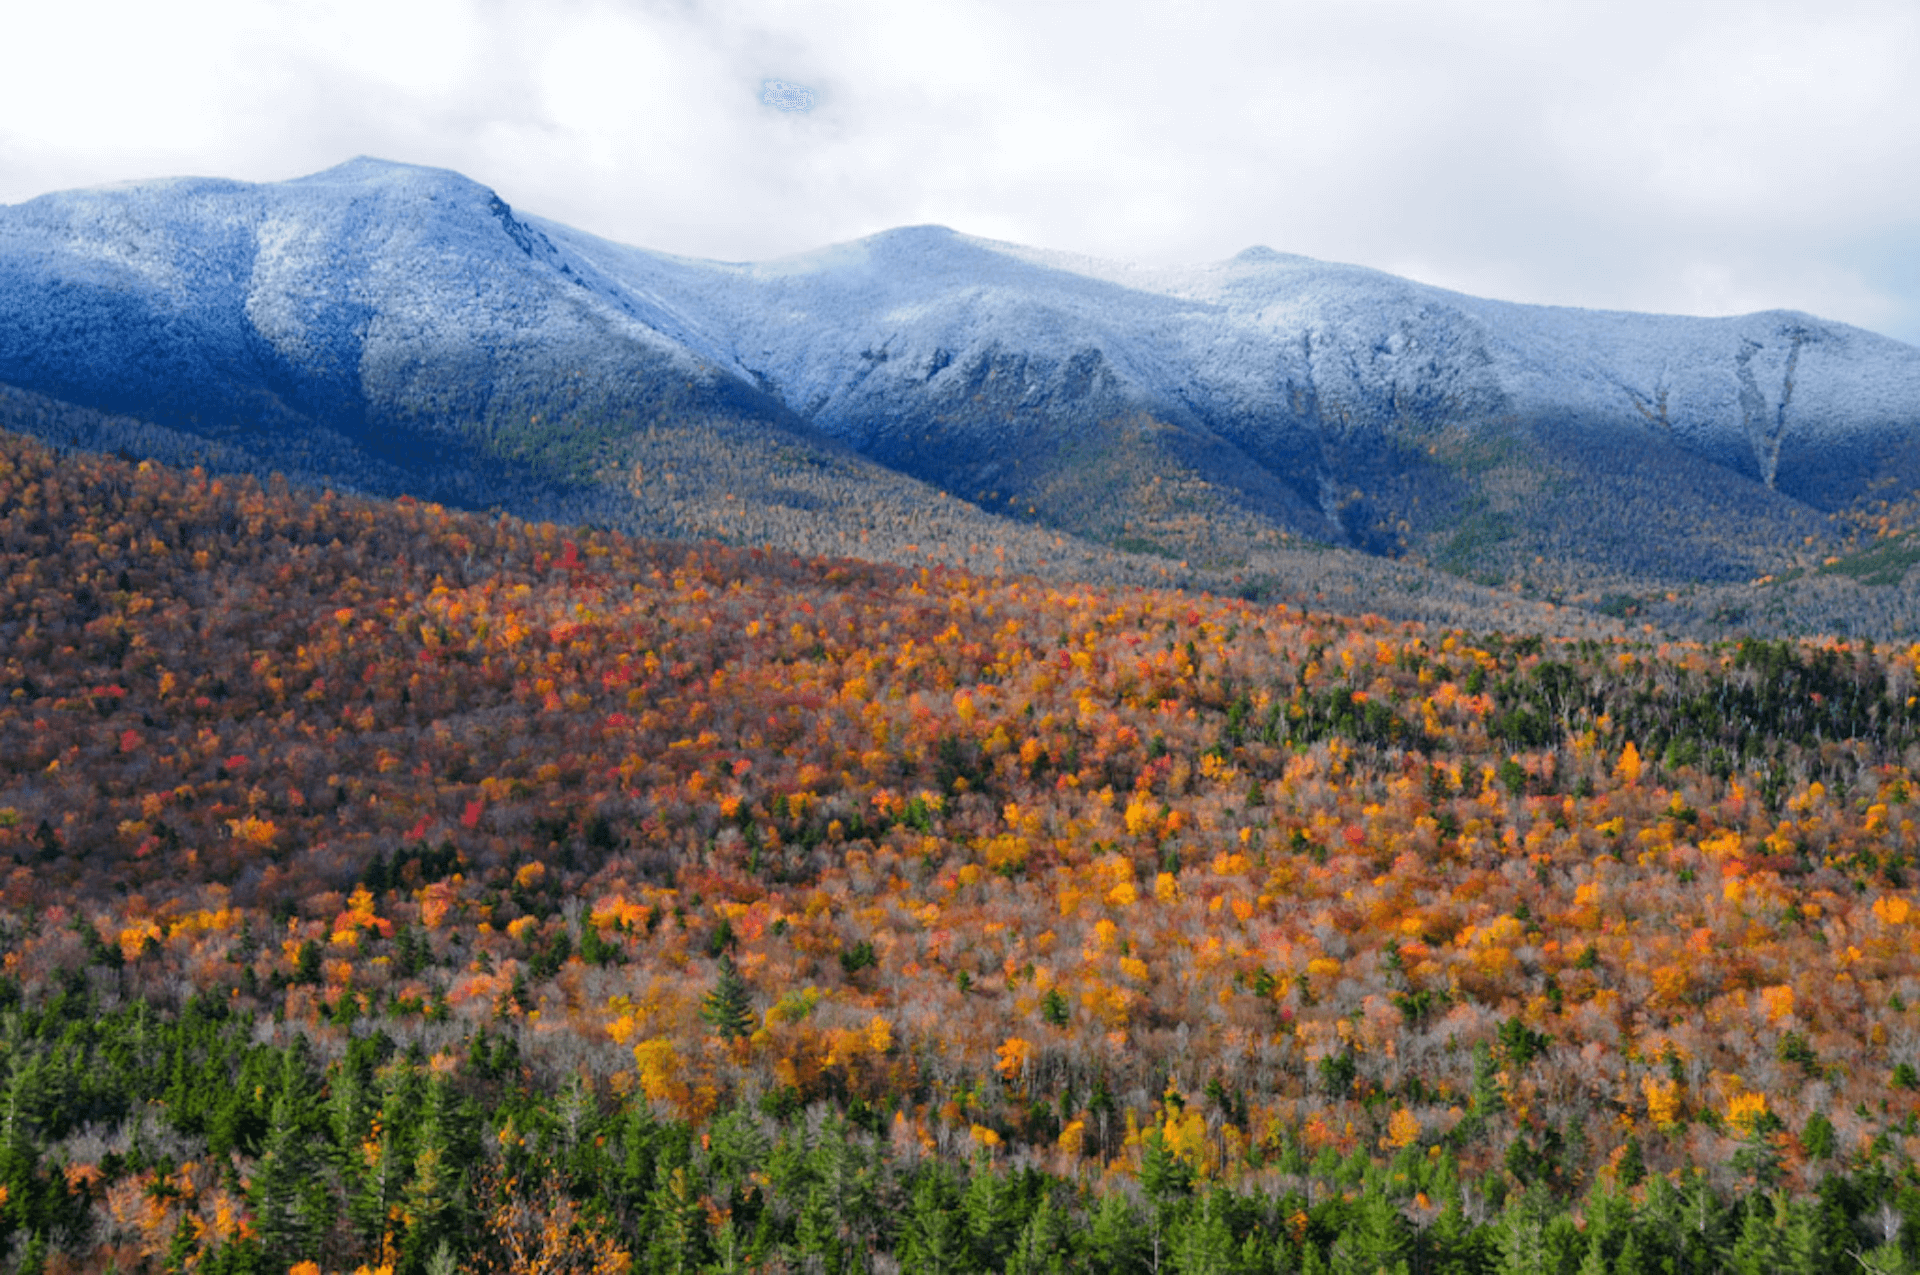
{"x": 728, "y": 1008}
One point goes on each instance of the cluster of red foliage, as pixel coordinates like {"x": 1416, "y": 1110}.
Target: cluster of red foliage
{"x": 995, "y": 846}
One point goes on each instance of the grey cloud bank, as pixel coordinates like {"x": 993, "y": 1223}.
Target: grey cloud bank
{"x": 1690, "y": 159}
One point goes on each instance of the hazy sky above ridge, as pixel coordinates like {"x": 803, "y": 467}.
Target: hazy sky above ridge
{"x": 1695, "y": 158}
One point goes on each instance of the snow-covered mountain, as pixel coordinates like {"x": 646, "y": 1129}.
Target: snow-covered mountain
{"x": 401, "y": 310}
{"x": 408, "y": 315}
{"x": 1261, "y": 347}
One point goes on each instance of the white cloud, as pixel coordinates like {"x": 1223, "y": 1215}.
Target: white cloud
{"x": 1700, "y": 157}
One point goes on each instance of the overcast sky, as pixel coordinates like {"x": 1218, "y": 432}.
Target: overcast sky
{"x": 1697, "y": 158}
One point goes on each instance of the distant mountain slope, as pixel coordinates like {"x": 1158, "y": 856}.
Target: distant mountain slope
{"x": 1327, "y": 398}
{"x": 390, "y": 326}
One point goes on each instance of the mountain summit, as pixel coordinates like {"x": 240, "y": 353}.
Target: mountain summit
{"x": 403, "y": 327}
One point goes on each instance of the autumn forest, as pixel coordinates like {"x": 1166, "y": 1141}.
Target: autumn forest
{"x": 387, "y": 888}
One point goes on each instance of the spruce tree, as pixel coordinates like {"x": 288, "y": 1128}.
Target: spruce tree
{"x": 989, "y": 1206}
{"x": 1609, "y": 1224}
{"x": 1115, "y": 1240}
{"x": 1521, "y": 1234}
{"x": 1164, "y": 1176}
{"x": 1204, "y": 1244}
{"x": 728, "y": 1008}
{"x": 434, "y": 1197}
{"x": 678, "y": 1224}
{"x": 182, "y": 1250}
{"x": 1453, "y": 1244}
{"x": 1888, "y": 1259}
{"x": 279, "y": 1188}
{"x": 1045, "y": 1246}
{"x": 933, "y": 1239}
{"x": 817, "y": 1232}
{"x": 1803, "y": 1246}
{"x": 1756, "y": 1250}
{"x": 738, "y": 1146}
{"x": 373, "y": 1189}
{"x": 1628, "y": 1260}
{"x": 1594, "y": 1260}
{"x": 1378, "y": 1238}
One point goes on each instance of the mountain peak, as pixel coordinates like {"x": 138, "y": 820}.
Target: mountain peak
{"x": 372, "y": 171}
{"x": 928, "y": 232}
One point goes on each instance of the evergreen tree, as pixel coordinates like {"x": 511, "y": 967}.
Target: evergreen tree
{"x": 362, "y": 1156}
{"x": 729, "y": 1247}
{"x": 1633, "y": 1165}
{"x": 1167, "y": 1181}
{"x": 182, "y": 1249}
{"x": 678, "y": 1230}
{"x": 306, "y": 971}
{"x": 1704, "y": 1221}
{"x": 1164, "y": 1176}
{"x": 737, "y": 1147}
{"x": 817, "y": 1231}
{"x": 933, "y": 1240}
{"x": 1045, "y": 1246}
{"x": 1594, "y": 1261}
{"x": 443, "y": 1261}
{"x": 1803, "y": 1242}
{"x": 1887, "y": 1259}
{"x": 281, "y": 1189}
{"x": 845, "y": 1165}
{"x": 1204, "y": 1243}
{"x": 1115, "y": 1240}
{"x": 595, "y": 949}
{"x": 239, "y": 1256}
{"x": 1609, "y": 1223}
{"x": 641, "y": 1144}
{"x": 1757, "y": 1249}
{"x": 1522, "y": 1236}
{"x": 349, "y": 1107}
{"x": 1628, "y": 1260}
{"x": 1817, "y": 1137}
{"x": 1378, "y": 1238}
{"x": 728, "y": 1008}
{"x": 434, "y": 1200}
{"x": 21, "y": 1175}
{"x": 374, "y": 1190}
{"x": 1453, "y": 1245}
{"x": 1487, "y": 1097}
{"x": 989, "y": 1207}
{"x": 33, "y": 1257}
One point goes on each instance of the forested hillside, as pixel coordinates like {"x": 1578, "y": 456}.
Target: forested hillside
{"x": 711, "y": 479}
{"x": 395, "y": 888}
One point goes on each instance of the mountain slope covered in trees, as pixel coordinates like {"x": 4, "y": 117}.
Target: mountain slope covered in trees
{"x": 396, "y": 887}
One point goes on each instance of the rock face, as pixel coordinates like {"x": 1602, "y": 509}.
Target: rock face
{"x": 378, "y": 320}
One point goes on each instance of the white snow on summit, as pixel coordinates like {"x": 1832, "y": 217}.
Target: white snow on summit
{"x": 372, "y": 273}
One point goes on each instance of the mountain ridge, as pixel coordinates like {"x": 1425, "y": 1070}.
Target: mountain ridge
{"x": 410, "y": 318}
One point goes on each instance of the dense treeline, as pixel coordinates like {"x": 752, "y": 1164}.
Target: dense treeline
{"x": 234, "y": 1148}
{"x": 1769, "y": 700}
{"x": 1253, "y": 931}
